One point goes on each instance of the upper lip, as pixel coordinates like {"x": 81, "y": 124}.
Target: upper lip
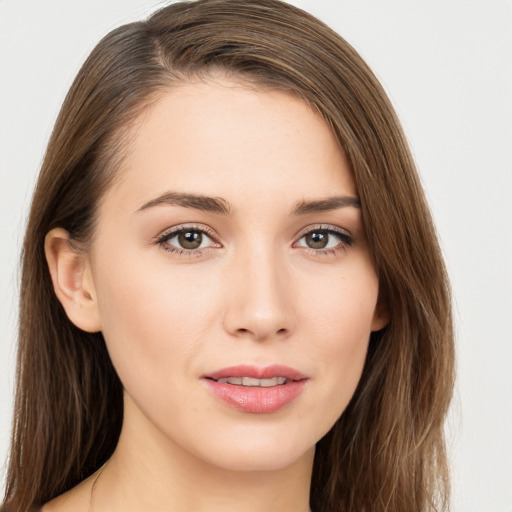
{"x": 267, "y": 372}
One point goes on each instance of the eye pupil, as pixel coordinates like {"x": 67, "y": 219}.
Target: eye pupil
{"x": 317, "y": 239}
{"x": 190, "y": 239}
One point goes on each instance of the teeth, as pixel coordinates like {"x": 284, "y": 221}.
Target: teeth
{"x": 231, "y": 380}
{"x": 276, "y": 381}
{"x": 251, "y": 382}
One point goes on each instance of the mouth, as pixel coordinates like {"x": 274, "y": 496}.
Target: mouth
{"x": 256, "y": 390}
{"x": 251, "y": 382}
{"x": 249, "y": 374}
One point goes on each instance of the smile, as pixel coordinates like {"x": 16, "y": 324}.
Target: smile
{"x": 256, "y": 390}
{"x": 252, "y": 382}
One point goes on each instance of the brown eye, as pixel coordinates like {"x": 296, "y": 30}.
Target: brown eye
{"x": 330, "y": 239}
{"x": 190, "y": 239}
{"x": 317, "y": 239}
{"x": 186, "y": 239}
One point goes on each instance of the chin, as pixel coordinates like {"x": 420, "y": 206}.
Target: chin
{"x": 258, "y": 451}
{"x": 261, "y": 460}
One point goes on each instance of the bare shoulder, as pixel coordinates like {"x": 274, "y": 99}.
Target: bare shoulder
{"x": 75, "y": 500}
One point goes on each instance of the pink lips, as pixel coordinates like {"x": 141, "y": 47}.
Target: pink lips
{"x": 256, "y": 399}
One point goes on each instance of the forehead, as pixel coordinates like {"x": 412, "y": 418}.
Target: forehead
{"x": 232, "y": 140}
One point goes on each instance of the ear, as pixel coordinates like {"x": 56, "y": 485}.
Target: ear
{"x": 380, "y": 315}
{"x": 71, "y": 275}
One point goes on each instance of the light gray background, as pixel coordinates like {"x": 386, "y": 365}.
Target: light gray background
{"x": 447, "y": 65}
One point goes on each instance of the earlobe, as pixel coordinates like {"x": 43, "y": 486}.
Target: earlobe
{"x": 72, "y": 280}
{"x": 380, "y": 316}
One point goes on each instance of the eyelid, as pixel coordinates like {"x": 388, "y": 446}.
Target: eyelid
{"x": 183, "y": 227}
{"x": 324, "y": 227}
{"x": 344, "y": 235}
{"x": 174, "y": 230}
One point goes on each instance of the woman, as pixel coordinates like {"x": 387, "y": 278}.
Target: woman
{"x": 232, "y": 293}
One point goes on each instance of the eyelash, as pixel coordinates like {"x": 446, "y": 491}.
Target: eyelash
{"x": 345, "y": 240}
{"x": 164, "y": 238}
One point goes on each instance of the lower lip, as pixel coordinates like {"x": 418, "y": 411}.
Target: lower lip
{"x": 256, "y": 399}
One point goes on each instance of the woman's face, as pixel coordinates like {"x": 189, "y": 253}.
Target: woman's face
{"x": 232, "y": 245}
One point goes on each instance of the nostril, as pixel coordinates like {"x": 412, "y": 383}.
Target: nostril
{"x": 244, "y": 331}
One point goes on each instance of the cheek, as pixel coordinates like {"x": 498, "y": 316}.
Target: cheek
{"x": 152, "y": 319}
{"x": 340, "y": 321}
{"x": 341, "y": 305}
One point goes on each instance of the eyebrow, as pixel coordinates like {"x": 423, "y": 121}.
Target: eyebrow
{"x": 223, "y": 207}
{"x": 198, "y": 202}
{"x": 325, "y": 205}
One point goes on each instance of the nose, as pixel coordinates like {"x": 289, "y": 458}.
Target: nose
{"x": 260, "y": 298}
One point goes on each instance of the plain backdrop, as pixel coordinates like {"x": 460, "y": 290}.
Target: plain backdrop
{"x": 447, "y": 66}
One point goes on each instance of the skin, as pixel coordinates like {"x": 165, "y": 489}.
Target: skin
{"x": 254, "y": 293}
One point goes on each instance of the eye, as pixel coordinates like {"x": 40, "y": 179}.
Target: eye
{"x": 324, "y": 239}
{"x": 186, "y": 239}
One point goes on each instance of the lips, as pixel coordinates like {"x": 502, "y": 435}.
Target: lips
{"x": 268, "y": 372}
{"x": 256, "y": 390}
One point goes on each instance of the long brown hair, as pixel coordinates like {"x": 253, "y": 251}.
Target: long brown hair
{"x": 387, "y": 451}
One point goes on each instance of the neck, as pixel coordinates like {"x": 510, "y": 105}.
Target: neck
{"x": 150, "y": 472}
